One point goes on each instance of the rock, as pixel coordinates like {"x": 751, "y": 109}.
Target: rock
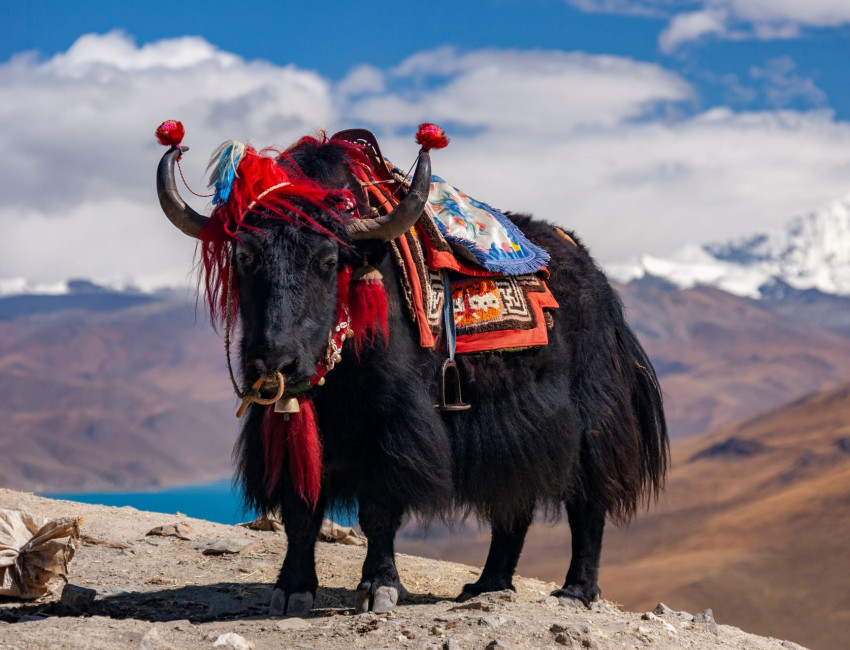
{"x": 705, "y": 621}
{"x": 473, "y": 605}
{"x": 153, "y": 641}
{"x": 588, "y": 641}
{"x": 571, "y": 602}
{"x": 227, "y": 546}
{"x": 438, "y": 630}
{"x": 563, "y": 639}
{"x": 293, "y": 623}
{"x": 662, "y": 610}
{"x": 233, "y": 641}
{"x": 78, "y": 598}
{"x": 649, "y": 616}
{"x": 499, "y": 644}
{"x": 181, "y": 530}
{"x": 506, "y": 595}
{"x": 491, "y": 621}
{"x": 451, "y": 644}
{"x": 790, "y": 645}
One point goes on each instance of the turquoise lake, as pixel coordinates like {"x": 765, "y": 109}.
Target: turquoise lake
{"x": 218, "y": 501}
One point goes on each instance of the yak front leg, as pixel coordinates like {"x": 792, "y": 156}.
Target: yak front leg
{"x": 379, "y": 587}
{"x": 295, "y": 590}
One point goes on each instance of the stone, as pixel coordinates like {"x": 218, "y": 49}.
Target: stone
{"x": 293, "y": 623}
{"x": 228, "y": 546}
{"x": 451, "y": 644}
{"x": 662, "y": 610}
{"x": 649, "y": 616}
{"x": 705, "y": 621}
{"x": 499, "y": 644}
{"x": 438, "y": 630}
{"x": 233, "y": 641}
{"x": 588, "y": 641}
{"x": 506, "y": 595}
{"x": 491, "y": 621}
{"x": 181, "y": 530}
{"x": 152, "y": 640}
{"x": 79, "y": 598}
{"x": 790, "y": 645}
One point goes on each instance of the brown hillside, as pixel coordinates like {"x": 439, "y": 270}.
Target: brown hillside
{"x": 131, "y": 397}
{"x": 756, "y": 522}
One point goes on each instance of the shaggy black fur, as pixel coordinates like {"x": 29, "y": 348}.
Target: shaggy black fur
{"x": 578, "y": 423}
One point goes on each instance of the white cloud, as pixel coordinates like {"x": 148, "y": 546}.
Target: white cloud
{"x": 78, "y": 135}
{"x": 601, "y": 144}
{"x": 727, "y": 19}
{"x": 783, "y": 85}
{"x": 523, "y": 91}
{"x": 691, "y": 26}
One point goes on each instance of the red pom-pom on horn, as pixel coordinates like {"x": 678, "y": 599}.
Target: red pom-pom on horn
{"x": 431, "y": 136}
{"x": 170, "y": 133}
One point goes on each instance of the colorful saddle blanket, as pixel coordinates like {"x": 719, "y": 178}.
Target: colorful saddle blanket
{"x": 492, "y": 239}
{"x": 492, "y": 311}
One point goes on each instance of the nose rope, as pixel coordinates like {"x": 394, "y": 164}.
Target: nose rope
{"x": 253, "y": 395}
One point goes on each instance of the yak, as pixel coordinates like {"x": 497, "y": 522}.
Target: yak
{"x": 575, "y": 425}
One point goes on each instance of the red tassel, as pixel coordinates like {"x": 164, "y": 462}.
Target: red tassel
{"x": 170, "y": 133}
{"x": 431, "y": 136}
{"x": 298, "y": 437}
{"x": 305, "y": 452}
{"x": 367, "y": 302}
{"x": 274, "y": 437}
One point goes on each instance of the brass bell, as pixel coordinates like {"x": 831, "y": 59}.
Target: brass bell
{"x": 287, "y": 406}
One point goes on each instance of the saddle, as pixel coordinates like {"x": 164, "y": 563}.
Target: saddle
{"x": 499, "y": 297}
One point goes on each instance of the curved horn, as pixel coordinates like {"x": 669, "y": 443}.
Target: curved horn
{"x": 175, "y": 208}
{"x": 399, "y": 221}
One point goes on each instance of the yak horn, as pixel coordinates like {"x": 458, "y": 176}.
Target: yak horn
{"x": 174, "y": 207}
{"x": 399, "y": 221}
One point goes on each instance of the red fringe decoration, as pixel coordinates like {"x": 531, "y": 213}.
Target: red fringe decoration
{"x": 431, "y": 136}
{"x": 170, "y": 133}
{"x": 299, "y": 437}
{"x": 368, "y": 305}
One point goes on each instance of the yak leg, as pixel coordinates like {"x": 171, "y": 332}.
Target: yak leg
{"x": 505, "y": 547}
{"x": 295, "y": 590}
{"x": 379, "y": 587}
{"x": 587, "y": 521}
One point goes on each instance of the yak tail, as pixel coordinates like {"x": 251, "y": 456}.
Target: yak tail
{"x": 624, "y": 447}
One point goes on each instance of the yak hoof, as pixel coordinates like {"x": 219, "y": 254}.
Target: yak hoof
{"x": 298, "y": 604}
{"x": 382, "y": 602}
{"x": 385, "y": 599}
{"x": 277, "y": 606}
{"x": 572, "y": 596}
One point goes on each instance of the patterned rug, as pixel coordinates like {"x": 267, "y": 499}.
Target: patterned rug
{"x": 492, "y": 311}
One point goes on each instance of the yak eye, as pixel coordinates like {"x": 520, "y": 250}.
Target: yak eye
{"x": 325, "y": 263}
{"x": 244, "y": 257}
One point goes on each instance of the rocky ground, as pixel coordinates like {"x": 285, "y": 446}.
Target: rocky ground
{"x": 128, "y": 589}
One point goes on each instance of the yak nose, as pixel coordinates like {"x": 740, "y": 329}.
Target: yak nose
{"x": 285, "y": 364}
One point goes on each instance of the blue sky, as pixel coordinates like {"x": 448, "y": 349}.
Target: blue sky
{"x": 643, "y": 124}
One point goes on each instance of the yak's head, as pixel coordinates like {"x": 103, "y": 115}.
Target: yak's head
{"x": 284, "y": 241}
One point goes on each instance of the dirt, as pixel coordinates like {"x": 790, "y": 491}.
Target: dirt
{"x": 157, "y": 592}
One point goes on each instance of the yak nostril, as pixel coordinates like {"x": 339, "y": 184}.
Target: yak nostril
{"x": 289, "y": 368}
{"x": 260, "y": 367}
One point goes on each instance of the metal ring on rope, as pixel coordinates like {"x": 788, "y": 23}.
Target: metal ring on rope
{"x": 254, "y": 396}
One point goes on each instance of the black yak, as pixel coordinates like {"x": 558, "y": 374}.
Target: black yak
{"x": 576, "y": 424}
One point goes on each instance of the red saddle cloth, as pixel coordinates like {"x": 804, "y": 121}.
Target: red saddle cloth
{"x": 492, "y": 311}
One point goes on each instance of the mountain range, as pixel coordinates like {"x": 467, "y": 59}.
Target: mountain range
{"x": 812, "y": 251}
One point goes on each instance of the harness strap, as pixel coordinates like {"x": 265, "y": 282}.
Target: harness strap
{"x": 449, "y": 316}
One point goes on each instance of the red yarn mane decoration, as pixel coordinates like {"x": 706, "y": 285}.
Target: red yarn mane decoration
{"x": 258, "y": 172}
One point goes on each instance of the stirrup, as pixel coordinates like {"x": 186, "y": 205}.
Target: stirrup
{"x": 450, "y": 372}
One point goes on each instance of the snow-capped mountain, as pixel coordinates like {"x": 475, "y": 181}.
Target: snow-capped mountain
{"x": 811, "y": 252}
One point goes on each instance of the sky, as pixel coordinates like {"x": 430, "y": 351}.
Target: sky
{"x": 642, "y": 125}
